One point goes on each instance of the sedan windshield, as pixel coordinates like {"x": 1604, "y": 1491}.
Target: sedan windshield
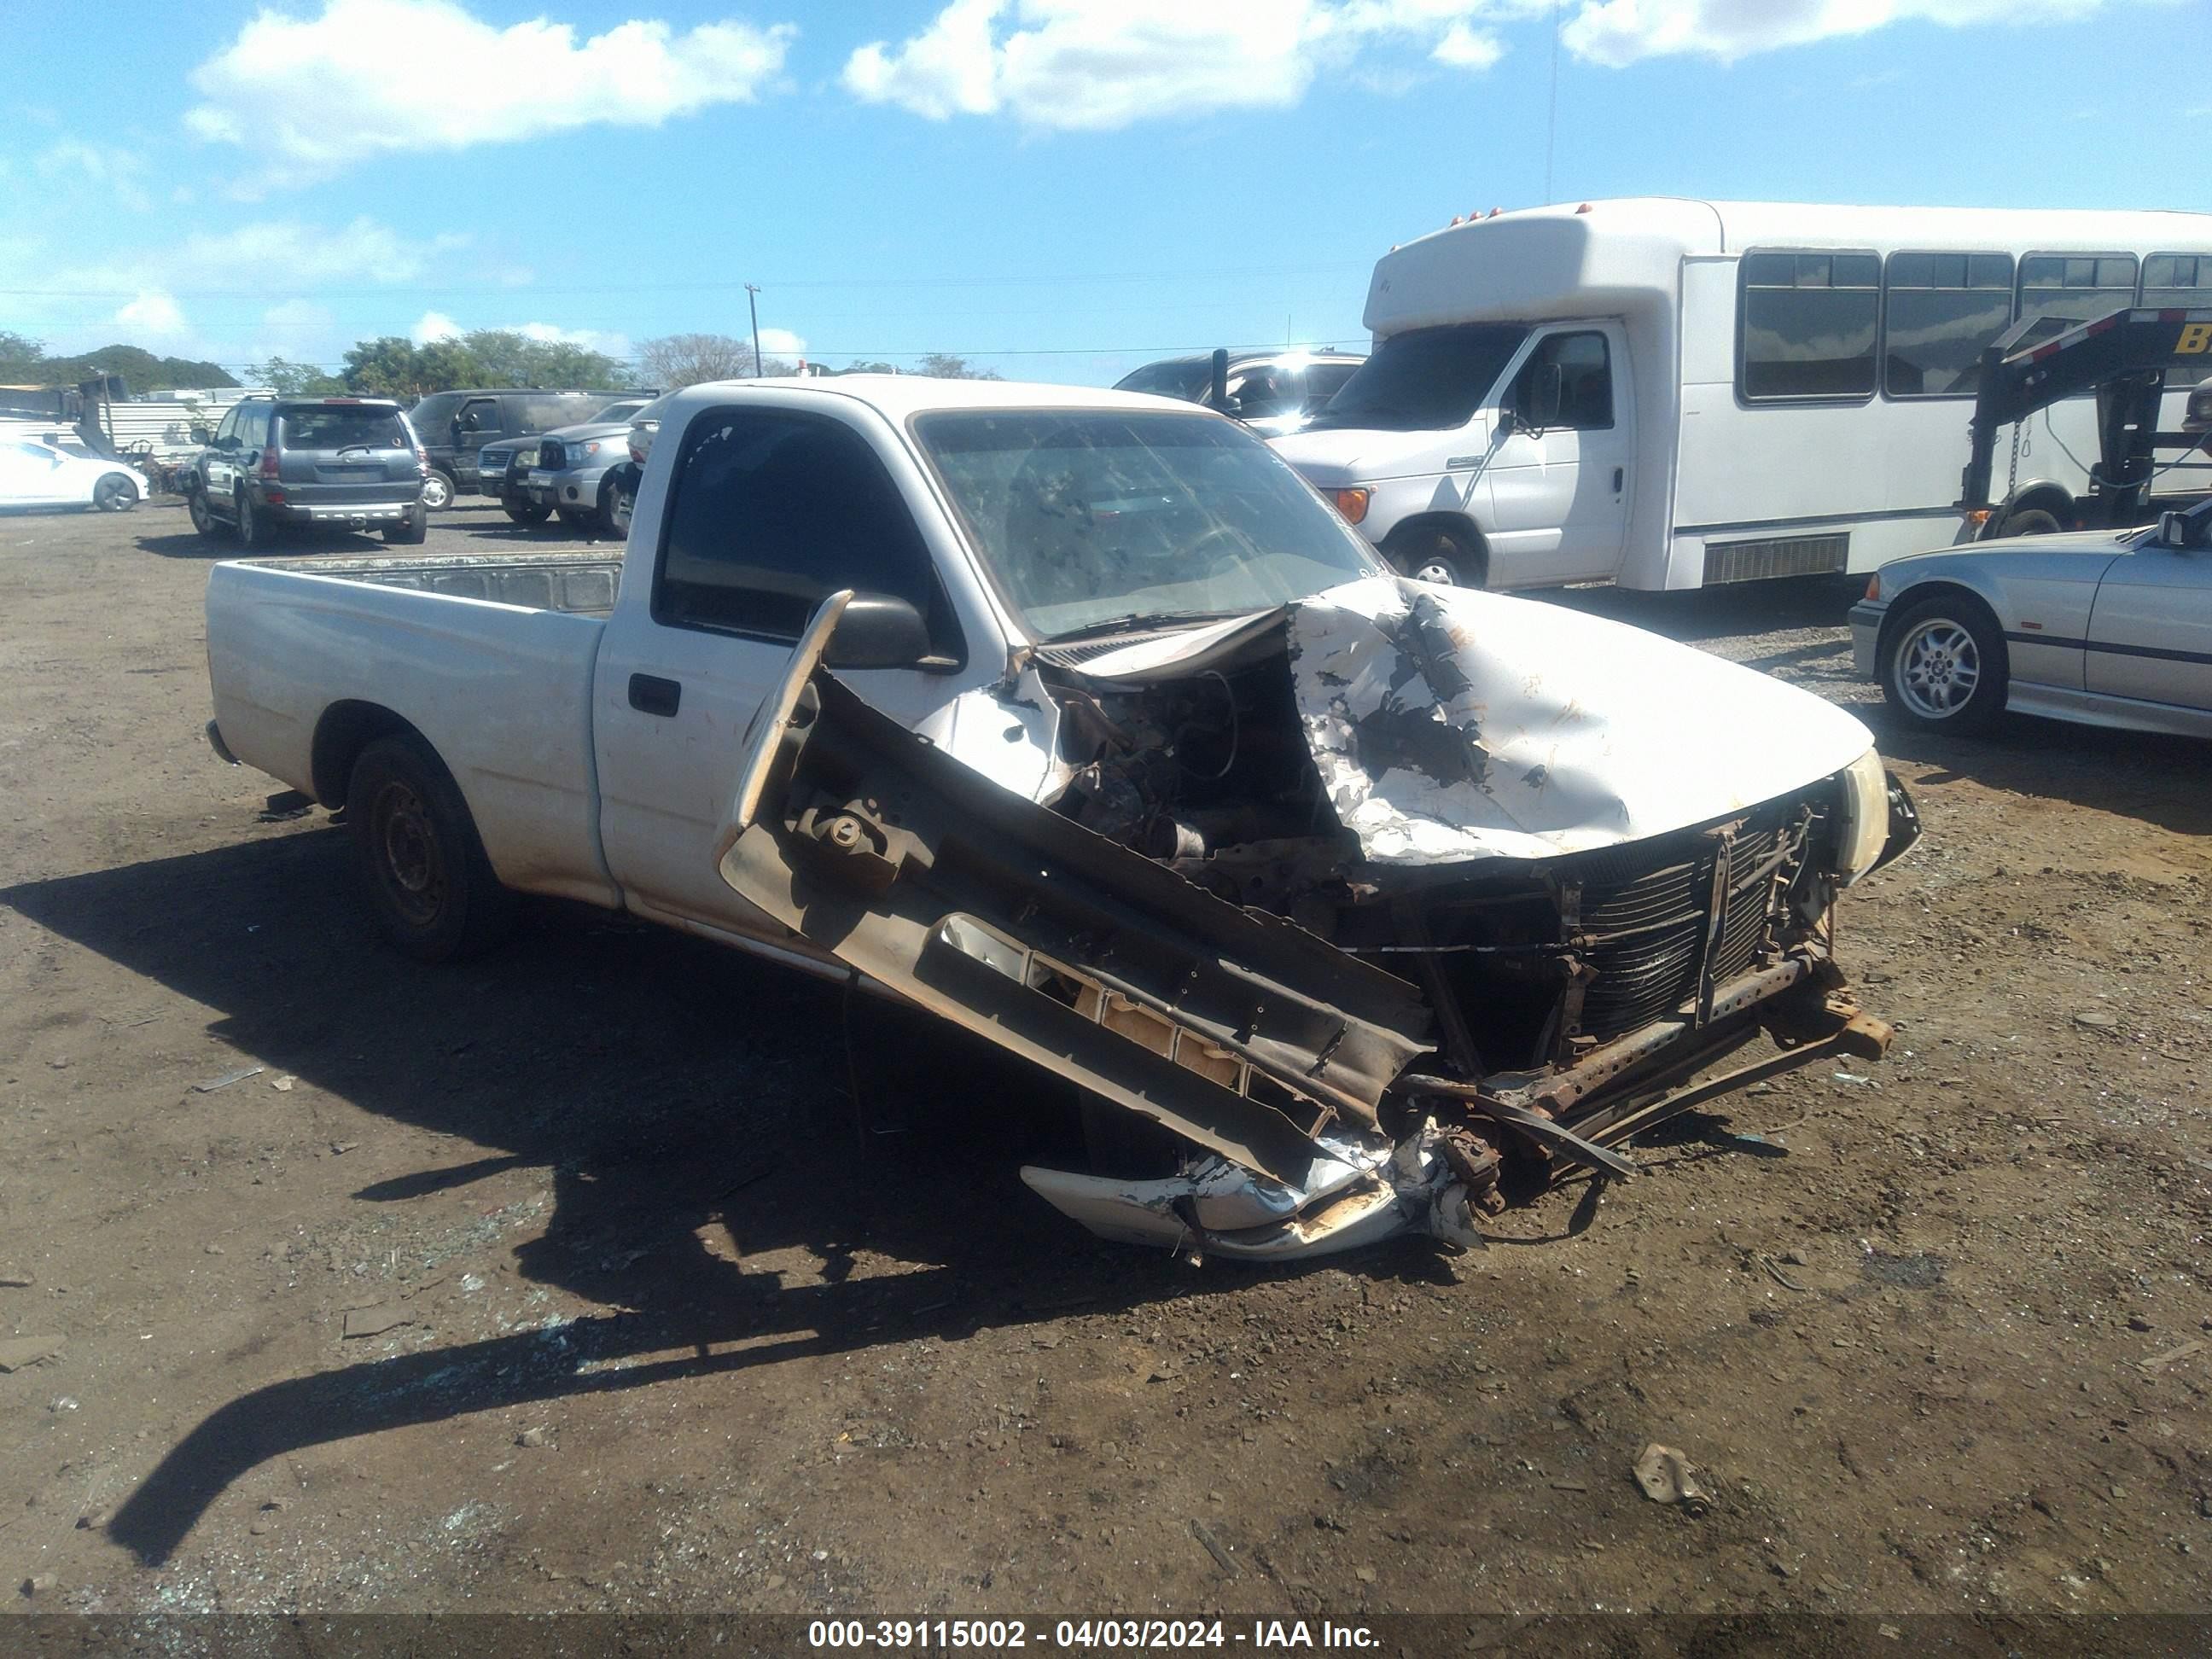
{"x": 1188, "y": 378}
{"x": 1090, "y": 517}
{"x": 1426, "y": 379}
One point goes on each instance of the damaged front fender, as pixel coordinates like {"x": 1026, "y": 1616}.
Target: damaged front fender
{"x": 1237, "y": 1030}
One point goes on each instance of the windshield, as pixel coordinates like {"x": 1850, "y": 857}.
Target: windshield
{"x": 313, "y": 427}
{"x": 1426, "y": 380}
{"x": 1188, "y": 378}
{"x": 621, "y": 411}
{"x": 1086, "y": 516}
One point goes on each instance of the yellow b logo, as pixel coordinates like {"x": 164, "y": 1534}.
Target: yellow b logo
{"x": 2195, "y": 337}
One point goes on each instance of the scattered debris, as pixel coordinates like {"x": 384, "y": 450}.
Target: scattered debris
{"x": 2137, "y": 1322}
{"x": 14, "y": 1281}
{"x": 1774, "y": 1272}
{"x": 94, "y": 1520}
{"x": 1570, "y": 1486}
{"x": 282, "y": 1084}
{"x": 2159, "y": 1362}
{"x": 374, "y": 1322}
{"x": 212, "y": 1084}
{"x": 340, "y": 1148}
{"x": 1364, "y": 1575}
{"x": 534, "y": 1439}
{"x": 2097, "y": 1022}
{"x": 1912, "y": 1272}
{"x": 18, "y": 1351}
{"x": 1668, "y": 1476}
{"x": 40, "y": 1583}
{"x": 1214, "y": 1548}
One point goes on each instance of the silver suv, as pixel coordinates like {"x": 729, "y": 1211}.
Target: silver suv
{"x": 349, "y": 463}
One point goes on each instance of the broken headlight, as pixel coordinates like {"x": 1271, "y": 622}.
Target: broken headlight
{"x": 1863, "y": 829}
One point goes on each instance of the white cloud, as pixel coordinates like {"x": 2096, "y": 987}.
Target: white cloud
{"x": 285, "y": 253}
{"x": 1618, "y": 32}
{"x": 316, "y": 94}
{"x": 1466, "y": 48}
{"x": 606, "y": 342}
{"x": 434, "y": 325}
{"x": 781, "y": 343}
{"x": 1103, "y": 63}
{"x": 74, "y": 163}
{"x": 154, "y": 315}
{"x": 300, "y": 331}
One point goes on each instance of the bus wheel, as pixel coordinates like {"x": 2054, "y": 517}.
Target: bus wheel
{"x": 1436, "y": 555}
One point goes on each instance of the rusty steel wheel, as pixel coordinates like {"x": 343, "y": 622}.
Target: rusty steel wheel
{"x": 422, "y": 864}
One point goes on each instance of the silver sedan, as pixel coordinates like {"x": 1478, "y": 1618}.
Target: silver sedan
{"x": 2110, "y": 627}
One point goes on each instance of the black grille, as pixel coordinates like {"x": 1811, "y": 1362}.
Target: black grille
{"x": 549, "y": 457}
{"x": 1647, "y": 930}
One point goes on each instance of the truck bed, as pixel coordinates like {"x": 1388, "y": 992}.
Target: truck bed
{"x": 489, "y": 658}
{"x": 578, "y": 584}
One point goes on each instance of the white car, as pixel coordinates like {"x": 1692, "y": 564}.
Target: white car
{"x": 32, "y": 474}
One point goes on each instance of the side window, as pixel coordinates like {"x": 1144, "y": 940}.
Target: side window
{"x": 1585, "y": 381}
{"x": 774, "y": 511}
{"x": 1265, "y": 390}
{"x": 480, "y": 418}
{"x": 2062, "y": 290}
{"x": 2181, "y": 281}
{"x": 229, "y": 427}
{"x": 253, "y": 426}
{"x": 1808, "y": 324}
{"x": 1939, "y": 310}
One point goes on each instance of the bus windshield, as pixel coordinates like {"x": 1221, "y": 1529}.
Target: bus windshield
{"x": 1426, "y": 380}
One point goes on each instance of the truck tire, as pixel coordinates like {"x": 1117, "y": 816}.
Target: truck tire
{"x": 2031, "y": 521}
{"x": 530, "y": 513}
{"x": 1943, "y": 665}
{"x": 438, "y": 490}
{"x": 251, "y": 531}
{"x": 205, "y": 522}
{"x": 412, "y": 530}
{"x": 422, "y": 864}
{"x": 610, "y": 519}
{"x": 1428, "y": 554}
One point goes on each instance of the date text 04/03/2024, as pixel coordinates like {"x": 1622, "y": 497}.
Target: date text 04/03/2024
{"x": 1261, "y": 1635}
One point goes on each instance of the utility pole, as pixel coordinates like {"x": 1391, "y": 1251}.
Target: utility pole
{"x": 752, "y": 304}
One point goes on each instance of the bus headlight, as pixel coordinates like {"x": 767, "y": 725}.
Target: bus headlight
{"x": 1864, "y": 830}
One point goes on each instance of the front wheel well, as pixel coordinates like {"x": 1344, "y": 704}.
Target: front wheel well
{"x": 1913, "y": 598}
{"x": 346, "y": 729}
{"x": 1457, "y": 525}
{"x": 2043, "y": 496}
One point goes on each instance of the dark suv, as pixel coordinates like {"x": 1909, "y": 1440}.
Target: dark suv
{"x": 454, "y": 425}
{"x": 352, "y": 462}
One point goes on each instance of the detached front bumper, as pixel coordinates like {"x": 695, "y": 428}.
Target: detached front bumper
{"x": 1866, "y": 639}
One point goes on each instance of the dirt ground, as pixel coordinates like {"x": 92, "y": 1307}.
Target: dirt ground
{"x": 659, "y": 1321}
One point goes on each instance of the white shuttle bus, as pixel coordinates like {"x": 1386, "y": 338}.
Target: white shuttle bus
{"x": 1708, "y": 391}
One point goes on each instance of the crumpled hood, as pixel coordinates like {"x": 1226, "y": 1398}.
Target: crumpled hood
{"x": 1357, "y": 455}
{"x": 1450, "y": 725}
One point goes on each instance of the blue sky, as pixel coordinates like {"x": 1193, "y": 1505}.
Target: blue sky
{"x": 1057, "y": 188}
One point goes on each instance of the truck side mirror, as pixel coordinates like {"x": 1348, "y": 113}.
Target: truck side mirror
{"x": 199, "y": 432}
{"x": 878, "y": 631}
{"x": 2175, "y": 529}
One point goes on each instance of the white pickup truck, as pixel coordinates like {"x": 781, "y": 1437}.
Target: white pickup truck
{"x": 1077, "y": 718}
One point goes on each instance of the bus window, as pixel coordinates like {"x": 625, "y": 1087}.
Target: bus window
{"x": 2073, "y": 288}
{"x": 1585, "y": 381}
{"x": 1939, "y": 310}
{"x": 2179, "y": 282}
{"x": 1808, "y": 322}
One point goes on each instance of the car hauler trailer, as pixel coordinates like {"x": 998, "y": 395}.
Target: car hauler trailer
{"x": 1667, "y": 393}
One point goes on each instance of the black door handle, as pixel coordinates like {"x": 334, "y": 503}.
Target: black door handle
{"x": 1619, "y": 475}
{"x": 651, "y": 695}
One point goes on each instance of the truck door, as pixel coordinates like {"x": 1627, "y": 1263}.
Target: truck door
{"x": 1559, "y": 487}
{"x": 768, "y": 511}
{"x": 2150, "y": 631}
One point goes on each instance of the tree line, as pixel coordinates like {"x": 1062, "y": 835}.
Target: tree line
{"x": 393, "y": 366}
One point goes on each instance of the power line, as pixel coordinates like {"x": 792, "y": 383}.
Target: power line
{"x": 532, "y": 288}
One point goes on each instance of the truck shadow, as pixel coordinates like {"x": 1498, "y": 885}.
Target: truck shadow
{"x": 191, "y": 545}
{"x": 694, "y": 1121}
